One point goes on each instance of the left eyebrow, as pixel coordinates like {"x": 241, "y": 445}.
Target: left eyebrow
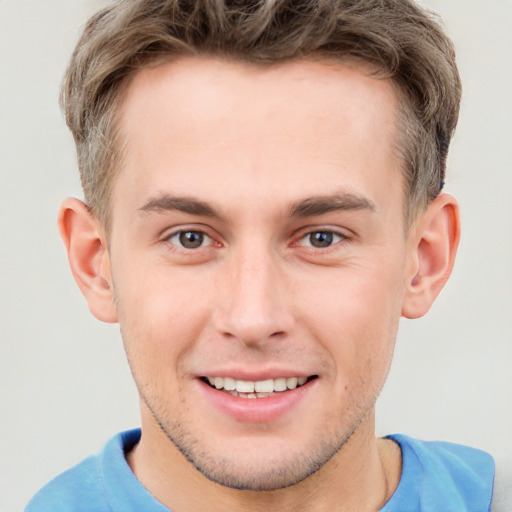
{"x": 320, "y": 205}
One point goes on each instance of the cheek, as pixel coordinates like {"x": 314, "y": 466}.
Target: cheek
{"x": 160, "y": 318}
{"x": 356, "y": 318}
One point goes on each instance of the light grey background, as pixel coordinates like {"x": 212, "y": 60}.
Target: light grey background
{"x": 64, "y": 384}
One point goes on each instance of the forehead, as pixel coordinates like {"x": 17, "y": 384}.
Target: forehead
{"x": 275, "y": 130}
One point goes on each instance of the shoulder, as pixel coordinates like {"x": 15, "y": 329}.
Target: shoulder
{"x": 455, "y": 459}
{"x": 71, "y": 490}
{"x": 446, "y": 476}
{"x": 84, "y": 487}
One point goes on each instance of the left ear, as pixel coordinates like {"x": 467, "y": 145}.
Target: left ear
{"x": 433, "y": 244}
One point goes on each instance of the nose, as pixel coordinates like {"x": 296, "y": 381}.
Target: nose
{"x": 255, "y": 303}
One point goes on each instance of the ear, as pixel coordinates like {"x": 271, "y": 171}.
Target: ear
{"x": 433, "y": 246}
{"x": 88, "y": 256}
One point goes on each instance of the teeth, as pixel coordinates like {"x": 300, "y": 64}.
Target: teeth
{"x": 264, "y": 386}
{"x": 245, "y": 386}
{"x": 229, "y": 384}
{"x": 291, "y": 383}
{"x": 256, "y": 389}
{"x": 280, "y": 385}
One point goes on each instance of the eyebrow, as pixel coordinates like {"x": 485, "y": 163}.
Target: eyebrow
{"x": 182, "y": 204}
{"x": 309, "y": 207}
{"x": 320, "y": 205}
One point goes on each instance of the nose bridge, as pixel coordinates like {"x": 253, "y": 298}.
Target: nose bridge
{"x": 254, "y": 306}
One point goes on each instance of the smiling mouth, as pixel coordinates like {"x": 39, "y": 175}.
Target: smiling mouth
{"x": 256, "y": 389}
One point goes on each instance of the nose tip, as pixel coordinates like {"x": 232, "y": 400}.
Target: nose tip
{"x": 254, "y": 306}
{"x": 250, "y": 331}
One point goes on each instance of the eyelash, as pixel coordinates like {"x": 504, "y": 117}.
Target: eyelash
{"x": 179, "y": 243}
{"x": 334, "y": 237}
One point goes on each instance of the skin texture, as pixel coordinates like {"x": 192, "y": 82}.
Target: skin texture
{"x": 256, "y": 164}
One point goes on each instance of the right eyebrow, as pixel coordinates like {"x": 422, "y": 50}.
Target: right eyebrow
{"x": 183, "y": 204}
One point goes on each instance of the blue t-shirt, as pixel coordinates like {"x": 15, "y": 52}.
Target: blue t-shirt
{"x": 436, "y": 477}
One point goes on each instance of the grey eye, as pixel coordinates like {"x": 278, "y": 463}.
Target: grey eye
{"x": 190, "y": 239}
{"x": 321, "y": 239}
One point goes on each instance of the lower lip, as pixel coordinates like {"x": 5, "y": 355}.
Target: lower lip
{"x": 256, "y": 410}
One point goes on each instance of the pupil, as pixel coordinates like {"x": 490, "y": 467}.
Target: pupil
{"x": 321, "y": 239}
{"x": 191, "y": 239}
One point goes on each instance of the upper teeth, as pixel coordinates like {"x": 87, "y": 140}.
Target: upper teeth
{"x": 258, "y": 386}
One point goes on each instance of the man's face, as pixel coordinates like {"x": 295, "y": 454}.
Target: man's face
{"x": 258, "y": 237}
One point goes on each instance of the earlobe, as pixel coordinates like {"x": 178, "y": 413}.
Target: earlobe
{"x": 88, "y": 257}
{"x": 433, "y": 248}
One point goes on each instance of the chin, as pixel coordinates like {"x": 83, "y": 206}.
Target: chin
{"x": 270, "y": 479}
{"x": 257, "y": 464}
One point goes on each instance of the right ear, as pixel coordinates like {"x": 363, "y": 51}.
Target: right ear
{"x": 88, "y": 257}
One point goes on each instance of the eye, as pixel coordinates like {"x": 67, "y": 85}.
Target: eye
{"x": 190, "y": 239}
{"x": 321, "y": 239}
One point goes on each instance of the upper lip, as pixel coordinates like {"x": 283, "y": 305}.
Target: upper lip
{"x": 253, "y": 375}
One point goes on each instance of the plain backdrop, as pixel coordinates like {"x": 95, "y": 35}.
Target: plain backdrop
{"x": 65, "y": 387}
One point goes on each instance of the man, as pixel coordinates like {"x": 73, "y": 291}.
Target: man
{"x": 263, "y": 186}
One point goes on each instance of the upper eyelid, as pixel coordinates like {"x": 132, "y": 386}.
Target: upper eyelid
{"x": 180, "y": 231}
{"x": 168, "y": 234}
{"x": 330, "y": 231}
{"x": 345, "y": 237}
{"x": 207, "y": 243}
{"x": 172, "y": 231}
{"x": 302, "y": 232}
{"x": 298, "y": 234}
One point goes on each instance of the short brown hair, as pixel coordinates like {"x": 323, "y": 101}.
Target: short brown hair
{"x": 399, "y": 39}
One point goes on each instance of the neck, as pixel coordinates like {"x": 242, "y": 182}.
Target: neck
{"x": 362, "y": 476}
